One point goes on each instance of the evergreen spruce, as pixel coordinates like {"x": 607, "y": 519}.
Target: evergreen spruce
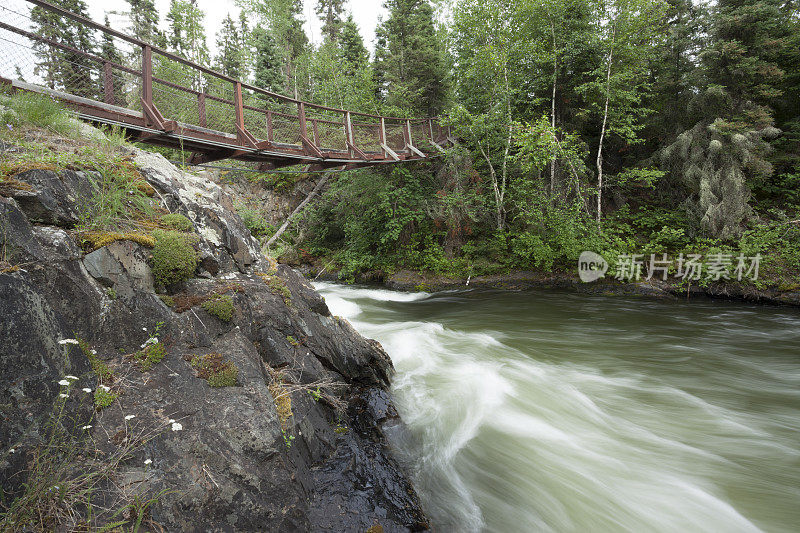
{"x": 60, "y": 68}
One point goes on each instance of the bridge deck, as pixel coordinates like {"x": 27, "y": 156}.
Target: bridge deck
{"x": 164, "y": 99}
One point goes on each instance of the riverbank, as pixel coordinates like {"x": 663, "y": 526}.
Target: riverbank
{"x": 158, "y": 371}
{"x": 409, "y": 280}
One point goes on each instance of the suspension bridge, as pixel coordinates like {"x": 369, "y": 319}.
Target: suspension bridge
{"x": 161, "y": 98}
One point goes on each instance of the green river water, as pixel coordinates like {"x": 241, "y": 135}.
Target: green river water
{"x": 555, "y": 411}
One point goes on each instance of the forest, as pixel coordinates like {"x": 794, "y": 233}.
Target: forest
{"x": 616, "y": 126}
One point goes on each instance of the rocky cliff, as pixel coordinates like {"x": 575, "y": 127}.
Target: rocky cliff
{"x": 229, "y": 401}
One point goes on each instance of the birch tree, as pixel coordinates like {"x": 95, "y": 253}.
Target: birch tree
{"x": 626, "y": 31}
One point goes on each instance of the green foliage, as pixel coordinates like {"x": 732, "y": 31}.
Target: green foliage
{"x": 100, "y": 368}
{"x": 177, "y": 222}
{"x": 174, "y": 257}
{"x": 253, "y": 220}
{"x": 220, "y": 306}
{"x": 150, "y": 356}
{"x": 409, "y": 60}
{"x": 38, "y": 110}
{"x": 104, "y": 398}
{"x": 216, "y": 370}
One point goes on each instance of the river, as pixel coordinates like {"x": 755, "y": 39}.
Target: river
{"x": 556, "y": 411}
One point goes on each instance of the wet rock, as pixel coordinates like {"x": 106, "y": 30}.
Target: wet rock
{"x": 229, "y": 463}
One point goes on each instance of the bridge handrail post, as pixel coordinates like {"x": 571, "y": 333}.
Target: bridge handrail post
{"x": 239, "y": 105}
{"x": 382, "y": 135}
{"x": 348, "y": 132}
{"x": 407, "y": 129}
{"x": 147, "y": 74}
{"x": 301, "y": 114}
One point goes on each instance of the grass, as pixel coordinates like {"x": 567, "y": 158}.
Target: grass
{"x": 23, "y": 108}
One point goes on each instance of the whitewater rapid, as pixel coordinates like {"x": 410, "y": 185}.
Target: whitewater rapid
{"x": 553, "y": 412}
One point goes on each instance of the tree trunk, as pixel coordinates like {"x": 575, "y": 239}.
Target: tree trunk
{"x": 553, "y": 110}
{"x": 603, "y": 134}
{"x": 297, "y": 210}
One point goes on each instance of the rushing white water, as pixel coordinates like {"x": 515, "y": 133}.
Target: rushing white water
{"x": 563, "y": 412}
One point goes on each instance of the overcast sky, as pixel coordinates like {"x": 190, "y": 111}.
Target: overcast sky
{"x": 365, "y": 13}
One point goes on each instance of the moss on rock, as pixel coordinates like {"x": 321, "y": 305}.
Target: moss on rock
{"x": 216, "y": 370}
{"x": 174, "y": 257}
{"x": 94, "y": 240}
{"x": 177, "y": 222}
{"x": 220, "y": 306}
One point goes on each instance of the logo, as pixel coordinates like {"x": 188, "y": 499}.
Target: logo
{"x": 591, "y": 267}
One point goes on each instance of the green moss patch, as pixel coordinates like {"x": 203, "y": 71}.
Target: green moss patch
{"x": 176, "y": 222}
{"x": 94, "y": 240}
{"x": 277, "y": 286}
{"x": 220, "y": 306}
{"x": 174, "y": 257}
{"x": 216, "y": 370}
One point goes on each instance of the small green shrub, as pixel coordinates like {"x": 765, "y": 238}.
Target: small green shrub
{"x": 220, "y": 306}
{"x": 104, "y": 398}
{"x": 150, "y": 356}
{"x": 174, "y": 257}
{"x": 177, "y": 222}
{"x": 253, "y": 220}
{"x": 168, "y": 300}
{"x": 216, "y": 370}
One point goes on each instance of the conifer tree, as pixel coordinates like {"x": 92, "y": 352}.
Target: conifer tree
{"x": 70, "y": 71}
{"x": 229, "y": 60}
{"x": 187, "y": 35}
{"x": 354, "y": 52}
{"x": 144, "y": 22}
{"x": 330, "y": 13}
{"x": 268, "y": 63}
{"x": 411, "y": 63}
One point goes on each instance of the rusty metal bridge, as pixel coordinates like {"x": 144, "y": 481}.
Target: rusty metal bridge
{"x": 162, "y": 98}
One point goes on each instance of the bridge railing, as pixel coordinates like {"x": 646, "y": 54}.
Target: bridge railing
{"x": 131, "y": 74}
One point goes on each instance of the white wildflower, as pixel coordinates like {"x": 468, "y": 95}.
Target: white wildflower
{"x": 62, "y": 395}
{"x": 148, "y": 461}
{"x": 63, "y": 382}
{"x": 71, "y": 378}
{"x": 171, "y": 420}
{"x": 129, "y": 417}
{"x": 94, "y": 352}
{"x": 68, "y": 341}
{"x": 88, "y": 426}
{"x": 86, "y": 390}
{"x": 176, "y": 426}
{"x": 12, "y": 450}
{"x": 144, "y": 329}
{"x": 106, "y": 389}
